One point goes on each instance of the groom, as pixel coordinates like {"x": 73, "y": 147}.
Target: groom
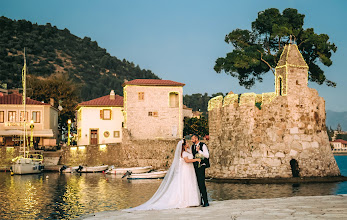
{"x": 201, "y": 148}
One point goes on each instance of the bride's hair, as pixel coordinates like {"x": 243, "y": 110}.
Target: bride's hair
{"x": 183, "y": 144}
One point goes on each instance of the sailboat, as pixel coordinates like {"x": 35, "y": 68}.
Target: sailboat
{"x": 26, "y": 163}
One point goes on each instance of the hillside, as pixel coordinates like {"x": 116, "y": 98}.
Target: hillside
{"x": 52, "y": 51}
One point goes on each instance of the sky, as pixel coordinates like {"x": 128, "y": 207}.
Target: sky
{"x": 180, "y": 40}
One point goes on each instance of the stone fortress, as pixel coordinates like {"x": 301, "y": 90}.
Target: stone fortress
{"x": 272, "y": 135}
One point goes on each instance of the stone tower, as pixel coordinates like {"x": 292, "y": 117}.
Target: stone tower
{"x": 291, "y": 75}
{"x": 271, "y": 135}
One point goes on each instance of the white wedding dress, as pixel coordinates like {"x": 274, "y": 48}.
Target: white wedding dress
{"x": 179, "y": 188}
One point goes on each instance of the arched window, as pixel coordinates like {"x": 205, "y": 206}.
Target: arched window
{"x": 280, "y": 83}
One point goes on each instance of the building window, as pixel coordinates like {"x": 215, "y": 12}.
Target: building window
{"x": 2, "y": 113}
{"x": 11, "y": 116}
{"x": 116, "y": 134}
{"x": 79, "y": 115}
{"x": 105, "y": 114}
{"x": 280, "y": 82}
{"x": 173, "y": 100}
{"x": 141, "y": 96}
{"x": 36, "y": 117}
{"x": 79, "y": 133}
{"x": 21, "y": 116}
{"x": 154, "y": 114}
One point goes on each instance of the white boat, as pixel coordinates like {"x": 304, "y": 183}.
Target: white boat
{"x": 26, "y": 166}
{"x": 133, "y": 170}
{"x": 94, "y": 169}
{"x": 150, "y": 175}
{"x": 28, "y": 163}
{"x": 81, "y": 169}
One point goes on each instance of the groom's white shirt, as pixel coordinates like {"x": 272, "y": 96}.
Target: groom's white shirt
{"x": 204, "y": 150}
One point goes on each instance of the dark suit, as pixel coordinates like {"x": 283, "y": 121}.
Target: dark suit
{"x": 200, "y": 175}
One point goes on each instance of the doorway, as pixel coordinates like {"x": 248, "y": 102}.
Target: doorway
{"x": 93, "y": 136}
{"x": 294, "y": 165}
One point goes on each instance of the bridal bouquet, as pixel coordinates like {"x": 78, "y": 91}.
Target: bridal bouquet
{"x": 200, "y": 156}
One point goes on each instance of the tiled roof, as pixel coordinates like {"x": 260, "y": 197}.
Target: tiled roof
{"x": 153, "y": 82}
{"x": 341, "y": 141}
{"x": 104, "y": 101}
{"x": 15, "y": 99}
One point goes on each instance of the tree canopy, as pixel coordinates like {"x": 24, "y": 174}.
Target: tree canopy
{"x": 256, "y": 52}
{"x": 59, "y": 87}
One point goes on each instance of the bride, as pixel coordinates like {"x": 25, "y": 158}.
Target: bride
{"x": 179, "y": 188}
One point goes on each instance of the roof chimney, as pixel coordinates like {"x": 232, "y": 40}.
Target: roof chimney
{"x": 112, "y": 95}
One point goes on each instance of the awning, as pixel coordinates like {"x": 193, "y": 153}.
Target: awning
{"x": 38, "y": 133}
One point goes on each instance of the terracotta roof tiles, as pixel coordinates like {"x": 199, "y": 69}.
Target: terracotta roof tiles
{"x": 15, "y": 99}
{"x": 341, "y": 141}
{"x": 104, "y": 101}
{"x": 153, "y": 82}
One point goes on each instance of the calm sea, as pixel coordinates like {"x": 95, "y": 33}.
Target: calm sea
{"x": 66, "y": 196}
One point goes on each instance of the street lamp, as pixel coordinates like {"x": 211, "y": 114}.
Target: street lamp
{"x": 32, "y": 133}
{"x": 68, "y": 131}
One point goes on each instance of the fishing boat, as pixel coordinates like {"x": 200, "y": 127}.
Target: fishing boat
{"x": 84, "y": 169}
{"x": 26, "y": 163}
{"x": 134, "y": 170}
{"x": 150, "y": 175}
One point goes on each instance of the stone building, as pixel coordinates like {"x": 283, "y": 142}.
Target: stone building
{"x": 272, "y": 135}
{"x": 99, "y": 121}
{"x": 153, "y": 109}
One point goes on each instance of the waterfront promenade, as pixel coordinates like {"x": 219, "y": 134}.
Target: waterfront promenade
{"x": 301, "y": 207}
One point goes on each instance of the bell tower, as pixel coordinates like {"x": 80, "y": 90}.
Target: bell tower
{"x": 291, "y": 72}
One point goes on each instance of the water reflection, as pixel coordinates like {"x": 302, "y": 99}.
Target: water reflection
{"x": 67, "y": 196}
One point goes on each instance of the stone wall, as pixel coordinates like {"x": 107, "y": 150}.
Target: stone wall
{"x": 248, "y": 142}
{"x": 157, "y": 153}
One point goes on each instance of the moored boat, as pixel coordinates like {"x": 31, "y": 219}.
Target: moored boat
{"x": 150, "y": 175}
{"x": 94, "y": 169}
{"x": 84, "y": 169}
{"x": 24, "y": 165}
{"x": 133, "y": 170}
{"x": 28, "y": 163}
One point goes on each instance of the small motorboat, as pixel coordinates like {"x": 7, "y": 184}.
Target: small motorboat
{"x": 150, "y": 175}
{"x": 83, "y": 169}
{"x": 133, "y": 170}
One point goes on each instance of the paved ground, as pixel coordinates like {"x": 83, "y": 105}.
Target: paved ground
{"x": 303, "y": 207}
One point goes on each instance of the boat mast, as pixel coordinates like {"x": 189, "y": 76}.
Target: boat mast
{"x": 24, "y": 103}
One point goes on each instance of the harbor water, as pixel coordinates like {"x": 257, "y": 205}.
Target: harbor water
{"x": 67, "y": 196}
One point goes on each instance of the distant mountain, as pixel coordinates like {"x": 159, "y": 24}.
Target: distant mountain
{"x": 335, "y": 118}
{"x": 50, "y": 51}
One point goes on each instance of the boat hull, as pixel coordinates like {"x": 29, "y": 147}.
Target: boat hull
{"x": 151, "y": 175}
{"x": 94, "y": 169}
{"x": 27, "y": 166}
{"x": 134, "y": 170}
{"x": 86, "y": 169}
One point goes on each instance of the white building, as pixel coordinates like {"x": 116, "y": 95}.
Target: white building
{"x": 339, "y": 146}
{"x": 99, "y": 121}
{"x": 153, "y": 108}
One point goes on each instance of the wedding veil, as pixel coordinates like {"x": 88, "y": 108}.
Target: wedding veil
{"x": 167, "y": 188}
